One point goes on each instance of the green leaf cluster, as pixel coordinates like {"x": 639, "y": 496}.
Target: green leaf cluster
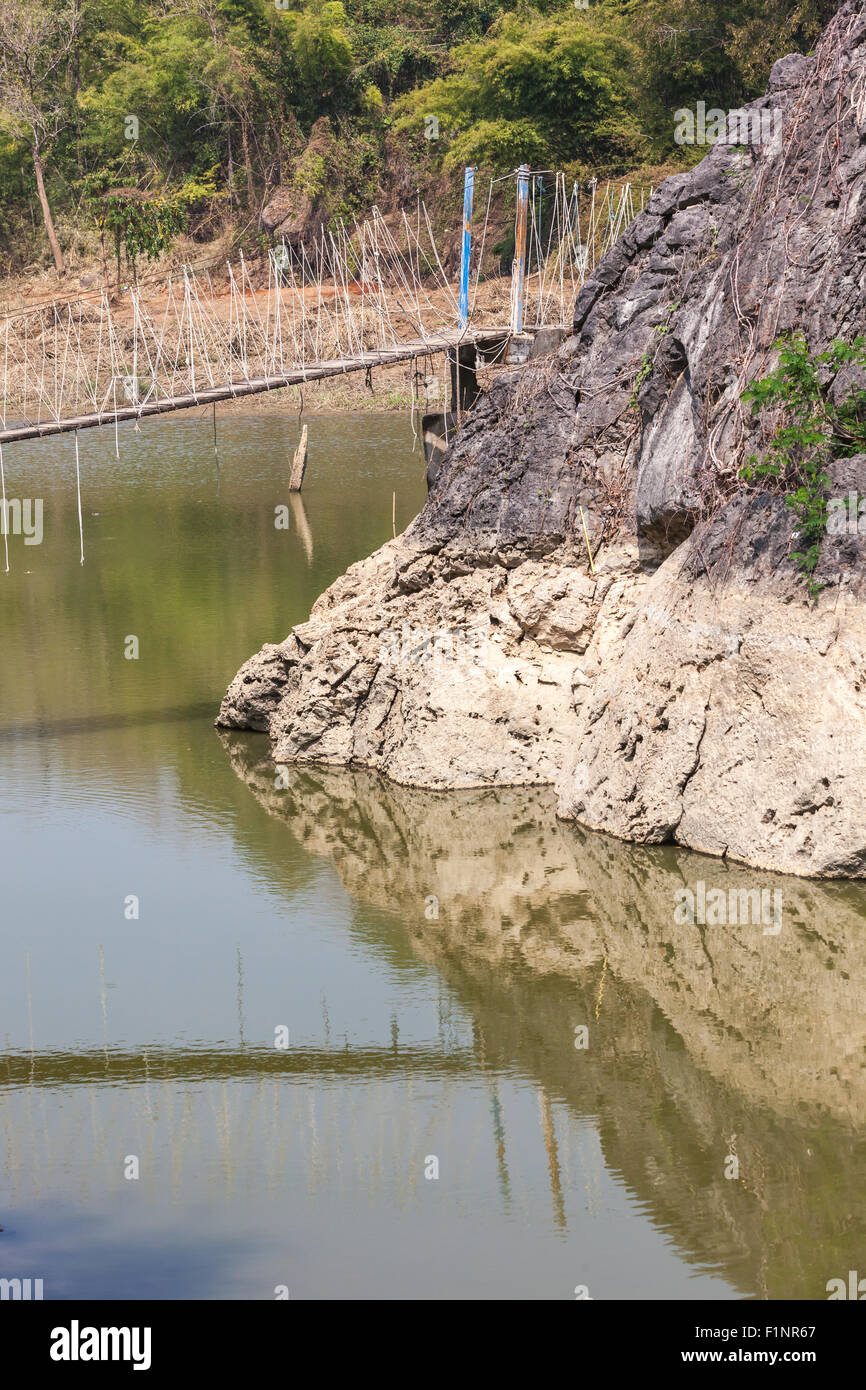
{"x": 818, "y": 424}
{"x": 536, "y": 89}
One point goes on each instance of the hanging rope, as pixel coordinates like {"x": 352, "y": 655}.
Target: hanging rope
{"x": 78, "y": 486}
{"x": 371, "y": 287}
{"x": 413, "y": 376}
{"x": 5, "y": 511}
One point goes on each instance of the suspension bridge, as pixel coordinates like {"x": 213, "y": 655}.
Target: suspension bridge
{"x": 360, "y": 298}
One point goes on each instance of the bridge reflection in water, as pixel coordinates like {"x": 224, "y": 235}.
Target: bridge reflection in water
{"x": 703, "y": 1042}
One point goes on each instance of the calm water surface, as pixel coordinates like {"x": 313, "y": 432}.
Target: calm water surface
{"x": 411, "y": 1037}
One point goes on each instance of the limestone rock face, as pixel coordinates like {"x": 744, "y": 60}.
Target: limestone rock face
{"x": 749, "y": 740}
{"x": 437, "y": 678}
{"x": 287, "y": 212}
{"x": 679, "y": 682}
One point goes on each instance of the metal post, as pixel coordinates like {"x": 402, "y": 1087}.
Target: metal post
{"x": 518, "y": 270}
{"x": 468, "y": 189}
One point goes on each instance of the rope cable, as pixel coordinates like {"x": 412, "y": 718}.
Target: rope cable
{"x": 78, "y": 488}
{"x": 5, "y": 510}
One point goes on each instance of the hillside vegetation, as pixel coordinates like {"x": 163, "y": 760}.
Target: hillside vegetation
{"x": 124, "y": 123}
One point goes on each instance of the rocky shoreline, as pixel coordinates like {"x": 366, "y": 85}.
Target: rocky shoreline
{"x": 591, "y": 597}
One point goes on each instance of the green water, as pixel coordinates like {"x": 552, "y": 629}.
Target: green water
{"x": 432, "y": 960}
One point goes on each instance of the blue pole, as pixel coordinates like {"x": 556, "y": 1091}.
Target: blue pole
{"x": 468, "y": 189}
{"x": 518, "y": 274}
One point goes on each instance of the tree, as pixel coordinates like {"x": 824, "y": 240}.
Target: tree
{"x": 322, "y": 46}
{"x": 36, "y": 42}
{"x": 537, "y": 88}
{"x": 720, "y": 54}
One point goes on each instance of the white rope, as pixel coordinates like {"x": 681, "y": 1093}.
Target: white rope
{"x": 351, "y": 291}
{"x": 412, "y": 370}
{"x": 78, "y": 486}
{"x": 5, "y": 511}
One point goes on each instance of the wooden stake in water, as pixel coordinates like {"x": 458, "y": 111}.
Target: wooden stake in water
{"x": 299, "y": 465}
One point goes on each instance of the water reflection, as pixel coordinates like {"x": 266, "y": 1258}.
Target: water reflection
{"x": 302, "y": 524}
{"x": 411, "y": 1033}
{"x": 703, "y": 1042}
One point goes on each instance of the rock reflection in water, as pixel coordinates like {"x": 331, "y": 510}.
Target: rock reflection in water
{"x": 704, "y": 1041}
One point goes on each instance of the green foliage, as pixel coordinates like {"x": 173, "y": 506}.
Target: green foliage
{"x": 146, "y": 229}
{"x": 394, "y": 57}
{"x": 535, "y": 89}
{"x": 815, "y": 429}
{"x": 466, "y": 19}
{"x": 143, "y": 226}
{"x": 237, "y": 86}
{"x": 721, "y": 54}
{"x": 646, "y": 366}
{"x": 321, "y": 45}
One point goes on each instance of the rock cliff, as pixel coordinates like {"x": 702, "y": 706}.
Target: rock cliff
{"x": 673, "y": 678}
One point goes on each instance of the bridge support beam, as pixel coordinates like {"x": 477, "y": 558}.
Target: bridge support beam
{"x": 464, "y": 381}
{"x": 437, "y": 429}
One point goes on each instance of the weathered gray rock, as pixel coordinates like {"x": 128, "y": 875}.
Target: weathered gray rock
{"x": 682, "y": 686}
{"x": 287, "y": 212}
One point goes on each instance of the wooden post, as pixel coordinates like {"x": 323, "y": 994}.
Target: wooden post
{"x": 299, "y": 464}
{"x": 518, "y": 271}
{"x": 586, "y": 535}
{"x": 466, "y": 247}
